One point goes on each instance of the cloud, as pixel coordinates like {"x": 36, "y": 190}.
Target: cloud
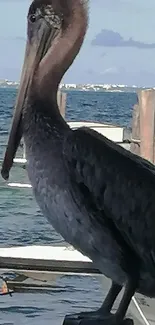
{"x": 109, "y": 38}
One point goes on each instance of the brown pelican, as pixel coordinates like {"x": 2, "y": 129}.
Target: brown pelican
{"x": 98, "y": 196}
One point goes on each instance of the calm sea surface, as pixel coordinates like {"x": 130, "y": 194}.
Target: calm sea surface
{"x": 23, "y": 224}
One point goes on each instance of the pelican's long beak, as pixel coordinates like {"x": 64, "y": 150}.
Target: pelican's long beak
{"x": 36, "y": 49}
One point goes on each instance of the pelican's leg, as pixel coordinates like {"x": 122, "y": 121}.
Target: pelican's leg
{"x": 107, "y": 303}
{"x": 110, "y": 298}
{"x": 103, "y": 316}
{"x": 129, "y": 291}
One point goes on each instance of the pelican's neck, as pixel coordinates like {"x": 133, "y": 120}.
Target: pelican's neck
{"x": 63, "y": 51}
{"x": 42, "y": 118}
{"x": 42, "y": 121}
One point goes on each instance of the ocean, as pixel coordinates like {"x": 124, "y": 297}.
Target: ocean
{"x": 23, "y": 224}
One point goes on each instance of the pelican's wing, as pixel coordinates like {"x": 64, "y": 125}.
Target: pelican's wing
{"x": 120, "y": 183}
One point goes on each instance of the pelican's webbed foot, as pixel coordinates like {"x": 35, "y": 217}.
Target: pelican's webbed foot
{"x": 95, "y": 318}
{"x": 103, "y": 315}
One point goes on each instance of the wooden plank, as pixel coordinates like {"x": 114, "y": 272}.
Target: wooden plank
{"x": 61, "y": 100}
{"x": 147, "y": 115}
{"x": 19, "y": 185}
{"x": 135, "y": 141}
{"x": 63, "y": 104}
{"x": 46, "y": 258}
{"x": 44, "y": 252}
{"x": 47, "y": 265}
{"x": 43, "y": 276}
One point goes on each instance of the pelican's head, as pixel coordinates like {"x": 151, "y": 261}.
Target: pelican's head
{"x": 55, "y": 33}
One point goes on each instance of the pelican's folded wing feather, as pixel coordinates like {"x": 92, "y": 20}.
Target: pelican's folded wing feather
{"x": 120, "y": 183}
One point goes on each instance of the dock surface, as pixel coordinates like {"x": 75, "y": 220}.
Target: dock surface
{"x": 46, "y": 263}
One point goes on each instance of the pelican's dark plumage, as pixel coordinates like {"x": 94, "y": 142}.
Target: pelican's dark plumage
{"x": 97, "y": 195}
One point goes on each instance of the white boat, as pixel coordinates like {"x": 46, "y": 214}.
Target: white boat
{"x": 44, "y": 264}
{"x": 114, "y": 133}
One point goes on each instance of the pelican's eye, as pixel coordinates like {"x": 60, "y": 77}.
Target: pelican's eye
{"x": 32, "y": 18}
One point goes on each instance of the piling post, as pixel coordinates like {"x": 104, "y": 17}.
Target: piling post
{"x": 135, "y": 141}
{"x": 61, "y": 100}
{"x": 147, "y": 123}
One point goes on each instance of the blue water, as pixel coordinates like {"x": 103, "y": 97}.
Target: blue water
{"x": 23, "y": 224}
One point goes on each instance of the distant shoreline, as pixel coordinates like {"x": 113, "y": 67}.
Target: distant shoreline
{"x": 90, "y": 89}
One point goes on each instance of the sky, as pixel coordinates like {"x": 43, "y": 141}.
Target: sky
{"x": 119, "y": 46}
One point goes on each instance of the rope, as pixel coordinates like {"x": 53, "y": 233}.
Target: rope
{"x": 140, "y": 311}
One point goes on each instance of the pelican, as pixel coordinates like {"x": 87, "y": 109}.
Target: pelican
{"x": 97, "y": 195}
